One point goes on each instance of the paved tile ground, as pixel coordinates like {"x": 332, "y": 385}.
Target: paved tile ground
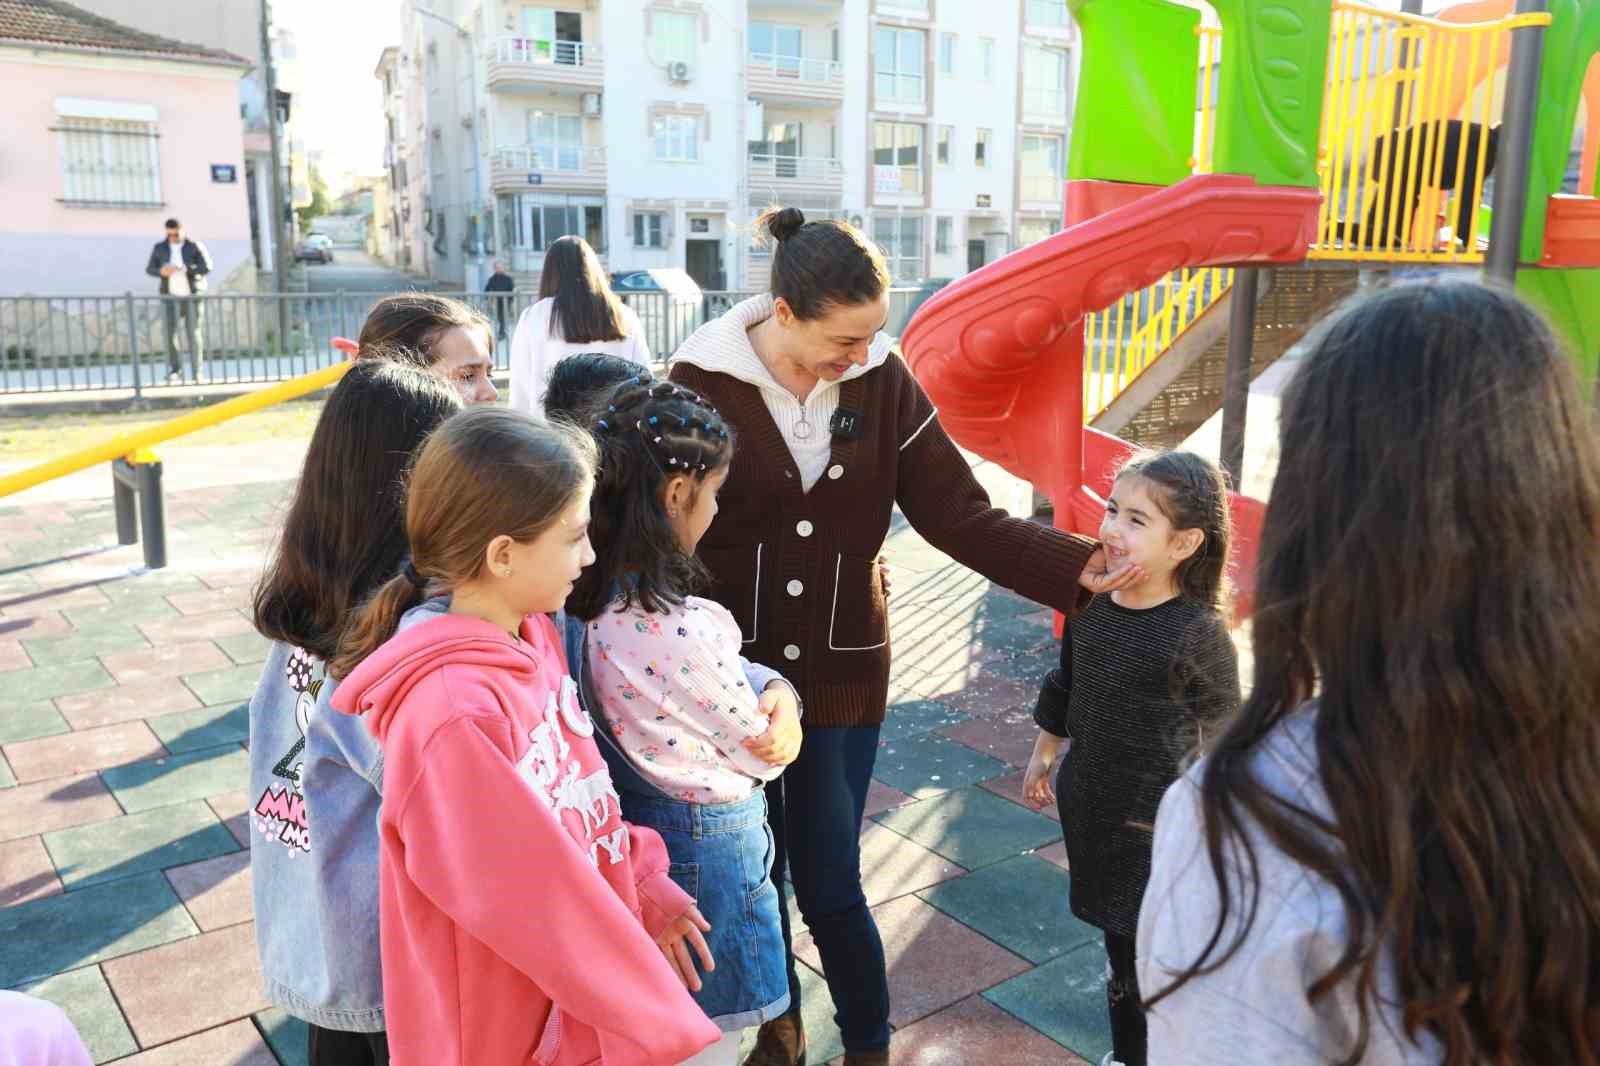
{"x": 124, "y": 879}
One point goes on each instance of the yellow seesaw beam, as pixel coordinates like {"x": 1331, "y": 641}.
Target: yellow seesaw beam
{"x": 126, "y": 444}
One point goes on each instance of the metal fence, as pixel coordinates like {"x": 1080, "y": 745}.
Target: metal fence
{"x": 52, "y": 344}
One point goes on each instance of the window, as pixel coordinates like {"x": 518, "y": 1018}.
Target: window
{"x": 947, "y": 53}
{"x": 557, "y": 141}
{"x": 672, "y": 36}
{"x": 1044, "y": 81}
{"x": 552, "y": 36}
{"x": 649, "y": 228}
{"x": 943, "y": 232}
{"x": 986, "y": 57}
{"x": 1047, "y": 13}
{"x": 109, "y": 162}
{"x": 900, "y": 238}
{"x": 677, "y": 138}
{"x": 980, "y": 149}
{"x": 1041, "y": 168}
{"x": 947, "y": 134}
{"x": 897, "y": 158}
{"x": 780, "y": 46}
{"x": 1033, "y": 230}
{"x": 540, "y": 220}
{"x": 899, "y": 57}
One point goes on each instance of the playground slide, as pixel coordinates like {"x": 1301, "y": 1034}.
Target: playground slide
{"x": 1000, "y": 351}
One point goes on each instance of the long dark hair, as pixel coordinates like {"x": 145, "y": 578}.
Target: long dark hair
{"x": 820, "y": 265}
{"x": 404, "y": 326}
{"x": 343, "y": 536}
{"x": 486, "y": 472}
{"x": 650, "y": 432}
{"x": 1429, "y": 576}
{"x": 585, "y": 308}
{"x": 579, "y": 384}
{"x": 1192, "y": 493}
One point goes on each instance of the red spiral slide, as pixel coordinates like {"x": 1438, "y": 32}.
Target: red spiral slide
{"x": 1000, "y": 351}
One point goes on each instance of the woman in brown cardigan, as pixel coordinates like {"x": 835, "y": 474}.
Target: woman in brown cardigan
{"x": 833, "y": 431}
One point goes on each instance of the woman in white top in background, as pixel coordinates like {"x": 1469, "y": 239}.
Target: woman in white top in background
{"x": 576, "y": 312}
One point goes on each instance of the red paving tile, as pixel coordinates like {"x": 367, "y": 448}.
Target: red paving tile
{"x": 143, "y": 699}
{"x": 157, "y": 992}
{"x": 1056, "y": 853}
{"x": 216, "y": 891}
{"x": 892, "y": 865}
{"x": 238, "y": 577}
{"x": 88, "y": 749}
{"x": 934, "y": 960}
{"x": 26, "y": 872}
{"x": 224, "y": 623}
{"x": 12, "y": 657}
{"x": 976, "y": 1031}
{"x": 880, "y": 798}
{"x": 1008, "y": 737}
{"x": 166, "y": 660}
{"x": 207, "y": 601}
{"x": 62, "y": 599}
{"x": 234, "y": 810}
{"x": 60, "y": 803}
{"x": 1010, "y": 786}
{"x": 43, "y": 624}
{"x": 235, "y": 1044}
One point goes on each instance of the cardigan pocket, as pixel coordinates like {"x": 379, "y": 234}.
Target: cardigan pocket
{"x": 738, "y": 574}
{"x": 860, "y": 619}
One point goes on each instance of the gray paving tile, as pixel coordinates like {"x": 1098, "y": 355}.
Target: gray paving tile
{"x": 929, "y": 764}
{"x": 151, "y": 840}
{"x": 224, "y": 686}
{"x": 89, "y": 926}
{"x": 911, "y": 717}
{"x": 1064, "y": 999}
{"x": 207, "y": 727}
{"x": 1021, "y": 904}
{"x": 88, "y": 1001}
{"x": 7, "y": 778}
{"x": 244, "y": 648}
{"x": 57, "y": 679}
{"x": 971, "y": 827}
{"x": 286, "y": 1035}
{"x": 141, "y": 786}
{"x": 85, "y": 644}
{"x": 149, "y": 609}
{"x": 30, "y": 721}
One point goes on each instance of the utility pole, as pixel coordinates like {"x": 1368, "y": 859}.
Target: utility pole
{"x": 280, "y": 251}
{"x": 474, "y": 277}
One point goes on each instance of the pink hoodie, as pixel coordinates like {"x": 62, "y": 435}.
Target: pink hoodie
{"x": 518, "y": 910}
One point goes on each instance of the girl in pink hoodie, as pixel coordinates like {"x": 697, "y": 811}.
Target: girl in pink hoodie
{"x": 522, "y": 921}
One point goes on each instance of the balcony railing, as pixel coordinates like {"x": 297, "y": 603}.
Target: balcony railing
{"x": 537, "y": 51}
{"x": 549, "y": 164}
{"x": 812, "y": 170}
{"x": 1043, "y": 188}
{"x": 817, "y": 71}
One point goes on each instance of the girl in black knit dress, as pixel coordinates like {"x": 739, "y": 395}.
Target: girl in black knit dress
{"x": 1145, "y": 672}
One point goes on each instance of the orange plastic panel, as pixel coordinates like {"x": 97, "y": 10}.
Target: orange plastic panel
{"x": 1572, "y": 232}
{"x": 1090, "y": 199}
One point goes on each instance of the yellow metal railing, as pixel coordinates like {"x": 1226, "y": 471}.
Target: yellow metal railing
{"x": 1410, "y": 120}
{"x": 135, "y": 446}
{"x": 1124, "y": 339}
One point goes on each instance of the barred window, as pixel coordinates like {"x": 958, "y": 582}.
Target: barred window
{"x": 109, "y": 162}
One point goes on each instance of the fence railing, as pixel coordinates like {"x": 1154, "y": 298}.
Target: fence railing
{"x": 771, "y": 167}
{"x": 142, "y": 344}
{"x": 818, "y": 71}
{"x": 541, "y": 51}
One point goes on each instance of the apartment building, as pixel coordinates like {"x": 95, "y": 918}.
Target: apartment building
{"x": 658, "y": 129}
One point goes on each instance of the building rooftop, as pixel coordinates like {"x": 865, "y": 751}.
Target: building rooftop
{"x": 55, "y": 24}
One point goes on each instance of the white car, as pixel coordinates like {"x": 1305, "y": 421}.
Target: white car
{"x": 669, "y": 304}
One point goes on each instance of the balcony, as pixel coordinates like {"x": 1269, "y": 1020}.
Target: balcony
{"x": 538, "y": 64}
{"x": 788, "y": 175}
{"x": 1042, "y": 192}
{"x": 794, "y": 78}
{"x": 548, "y": 166}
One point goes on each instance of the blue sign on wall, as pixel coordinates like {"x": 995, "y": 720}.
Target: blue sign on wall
{"x": 535, "y": 179}
{"x": 224, "y": 173}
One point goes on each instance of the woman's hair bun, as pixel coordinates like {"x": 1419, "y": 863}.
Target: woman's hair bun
{"x": 783, "y": 222}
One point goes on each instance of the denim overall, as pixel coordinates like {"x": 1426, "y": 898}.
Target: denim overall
{"x": 722, "y": 855}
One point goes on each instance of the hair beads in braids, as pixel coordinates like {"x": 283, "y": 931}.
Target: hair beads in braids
{"x": 650, "y": 433}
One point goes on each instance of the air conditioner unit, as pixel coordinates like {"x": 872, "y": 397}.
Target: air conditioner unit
{"x": 678, "y": 70}
{"x": 591, "y": 103}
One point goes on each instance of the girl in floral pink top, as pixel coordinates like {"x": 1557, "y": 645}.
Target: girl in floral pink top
{"x": 662, "y": 666}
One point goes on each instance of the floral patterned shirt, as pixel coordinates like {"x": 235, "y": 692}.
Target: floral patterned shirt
{"x": 672, "y": 690}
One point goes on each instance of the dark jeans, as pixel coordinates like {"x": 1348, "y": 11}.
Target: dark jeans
{"x": 193, "y": 313}
{"x": 1122, "y": 997}
{"x": 333, "y": 1047}
{"x": 815, "y": 811}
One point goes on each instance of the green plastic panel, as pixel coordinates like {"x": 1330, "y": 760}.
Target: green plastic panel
{"x": 1269, "y": 103}
{"x": 1570, "y": 302}
{"x": 1572, "y": 37}
{"x": 1135, "y": 114}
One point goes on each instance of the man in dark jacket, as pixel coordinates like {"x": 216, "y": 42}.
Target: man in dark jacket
{"x": 182, "y": 266}
{"x": 500, "y": 281}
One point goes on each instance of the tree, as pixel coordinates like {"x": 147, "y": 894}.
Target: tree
{"x": 319, "y": 202}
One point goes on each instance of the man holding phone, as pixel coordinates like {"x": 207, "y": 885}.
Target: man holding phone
{"x": 182, "y": 265}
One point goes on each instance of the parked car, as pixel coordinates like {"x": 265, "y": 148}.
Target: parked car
{"x": 316, "y": 247}
{"x": 667, "y": 300}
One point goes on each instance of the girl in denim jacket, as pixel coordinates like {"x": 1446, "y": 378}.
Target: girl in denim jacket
{"x": 696, "y": 740}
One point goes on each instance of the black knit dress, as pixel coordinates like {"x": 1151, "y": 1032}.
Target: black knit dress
{"x": 1134, "y": 691}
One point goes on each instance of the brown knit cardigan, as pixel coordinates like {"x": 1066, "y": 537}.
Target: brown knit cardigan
{"x": 797, "y": 568}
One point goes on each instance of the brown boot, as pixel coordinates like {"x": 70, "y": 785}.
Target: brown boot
{"x": 780, "y": 1042}
{"x": 867, "y": 1058}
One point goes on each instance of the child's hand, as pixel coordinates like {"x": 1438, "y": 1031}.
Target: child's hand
{"x": 780, "y": 744}
{"x": 1098, "y": 578}
{"x": 687, "y": 927}
{"x": 1036, "y": 786}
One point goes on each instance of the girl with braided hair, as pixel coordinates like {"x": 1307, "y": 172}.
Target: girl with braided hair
{"x": 693, "y": 740}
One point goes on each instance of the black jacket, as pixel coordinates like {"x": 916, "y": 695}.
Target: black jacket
{"x": 195, "y": 258}
{"x": 500, "y": 283}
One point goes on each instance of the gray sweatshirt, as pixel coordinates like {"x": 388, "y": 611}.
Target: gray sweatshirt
{"x": 1254, "y": 1009}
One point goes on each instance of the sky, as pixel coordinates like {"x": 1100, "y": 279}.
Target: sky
{"x": 339, "y": 106}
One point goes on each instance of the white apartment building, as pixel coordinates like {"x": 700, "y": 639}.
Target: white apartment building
{"x": 658, "y": 129}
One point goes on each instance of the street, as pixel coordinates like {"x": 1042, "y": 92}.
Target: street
{"x": 353, "y": 270}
